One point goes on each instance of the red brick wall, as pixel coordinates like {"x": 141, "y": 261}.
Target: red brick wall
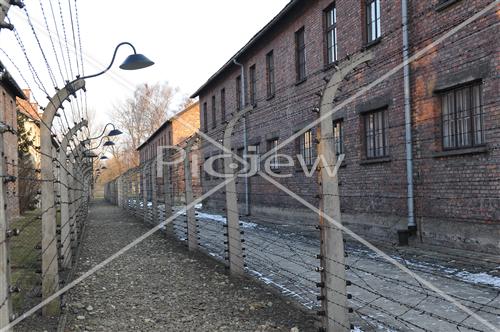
{"x": 176, "y": 132}
{"x": 374, "y": 194}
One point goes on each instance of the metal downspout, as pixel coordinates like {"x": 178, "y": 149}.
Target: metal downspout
{"x": 408, "y": 134}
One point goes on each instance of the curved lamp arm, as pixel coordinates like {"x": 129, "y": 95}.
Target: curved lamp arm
{"x": 102, "y": 134}
{"x": 112, "y": 60}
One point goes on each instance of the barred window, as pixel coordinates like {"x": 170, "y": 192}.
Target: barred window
{"x": 338, "y": 134}
{"x": 306, "y": 147}
{"x": 462, "y": 117}
{"x": 214, "y": 113}
{"x": 376, "y": 134}
{"x": 271, "y": 87}
{"x": 331, "y": 34}
{"x": 205, "y": 117}
{"x": 223, "y": 104}
{"x": 272, "y": 144}
{"x": 253, "y": 85}
{"x": 373, "y": 30}
{"x": 300, "y": 54}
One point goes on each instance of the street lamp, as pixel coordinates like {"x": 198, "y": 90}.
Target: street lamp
{"x": 132, "y": 62}
{"x": 50, "y": 267}
{"x": 112, "y": 133}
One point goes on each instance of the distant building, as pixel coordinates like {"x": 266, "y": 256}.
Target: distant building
{"x": 9, "y": 92}
{"x": 30, "y": 110}
{"x": 174, "y": 132}
{"x": 454, "y": 117}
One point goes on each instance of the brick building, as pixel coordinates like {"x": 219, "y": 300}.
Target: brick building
{"x": 453, "y": 91}
{"x": 32, "y": 125}
{"x": 8, "y": 115}
{"x": 175, "y": 131}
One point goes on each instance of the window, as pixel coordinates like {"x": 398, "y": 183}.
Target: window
{"x": 273, "y": 144}
{"x": 253, "y": 85}
{"x": 331, "y": 34}
{"x": 300, "y": 55}
{"x": 306, "y": 147}
{"x": 239, "y": 100}
{"x": 208, "y": 177}
{"x": 338, "y": 134}
{"x": 214, "y": 113}
{"x": 373, "y": 31}
{"x": 462, "y": 117}
{"x": 254, "y": 150}
{"x": 223, "y": 104}
{"x": 271, "y": 87}
{"x": 376, "y": 134}
{"x": 205, "y": 118}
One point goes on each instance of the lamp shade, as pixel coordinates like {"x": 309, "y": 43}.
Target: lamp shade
{"x": 109, "y": 143}
{"x": 136, "y": 61}
{"x": 115, "y": 132}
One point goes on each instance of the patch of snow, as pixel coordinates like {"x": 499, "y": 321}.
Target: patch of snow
{"x": 479, "y": 278}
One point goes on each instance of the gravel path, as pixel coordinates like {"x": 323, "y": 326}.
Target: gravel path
{"x": 160, "y": 286}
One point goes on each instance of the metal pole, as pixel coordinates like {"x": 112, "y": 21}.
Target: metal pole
{"x": 408, "y": 136}
{"x": 333, "y": 293}
{"x": 50, "y": 269}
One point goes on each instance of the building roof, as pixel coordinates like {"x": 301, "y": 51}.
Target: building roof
{"x": 253, "y": 41}
{"x": 165, "y": 124}
{"x": 9, "y": 82}
{"x": 27, "y": 107}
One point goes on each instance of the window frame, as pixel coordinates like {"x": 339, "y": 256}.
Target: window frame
{"x": 214, "y": 113}
{"x": 300, "y": 55}
{"x": 205, "y": 117}
{"x": 327, "y": 30}
{"x": 252, "y": 73}
{"x": 376, "y": 22}
{"x": 340, "y": 139}
{"x": 384, "y": 134}
{"x": 270, "y": 75}
{"x": 473, "y": 132}
{"x": 305, "y": 139}
{"x": 271, "y": 144}
{"x": 223, "y": 104}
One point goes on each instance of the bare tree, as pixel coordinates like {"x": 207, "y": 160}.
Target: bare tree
{"x": 141, "y": 115}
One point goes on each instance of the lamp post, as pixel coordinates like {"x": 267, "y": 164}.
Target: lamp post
{"x": 50, "y": 268}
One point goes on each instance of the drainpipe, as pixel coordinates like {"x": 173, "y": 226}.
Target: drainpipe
{"x": 412, "y": 226}
{"x": 245, "y": 136}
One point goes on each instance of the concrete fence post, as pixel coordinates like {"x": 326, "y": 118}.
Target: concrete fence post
{"x": 188, "y": 191}
{"x": 145, "y": 193}
{"x": 167, "y": 194}
{"x": 50, "y": 264}
{"x": 233, "y": 234}
{"x": 4, "y": 245}
{"x": 64, "y": 176}
{"x": 154, "y": 195}
{"x": 333, "y": 276}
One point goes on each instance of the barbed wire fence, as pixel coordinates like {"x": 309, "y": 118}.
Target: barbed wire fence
{"x": 22, "y": 244}
{"x": 364, "y": 284}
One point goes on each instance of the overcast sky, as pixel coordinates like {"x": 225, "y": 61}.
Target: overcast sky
{"x": 188, "y": 40}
